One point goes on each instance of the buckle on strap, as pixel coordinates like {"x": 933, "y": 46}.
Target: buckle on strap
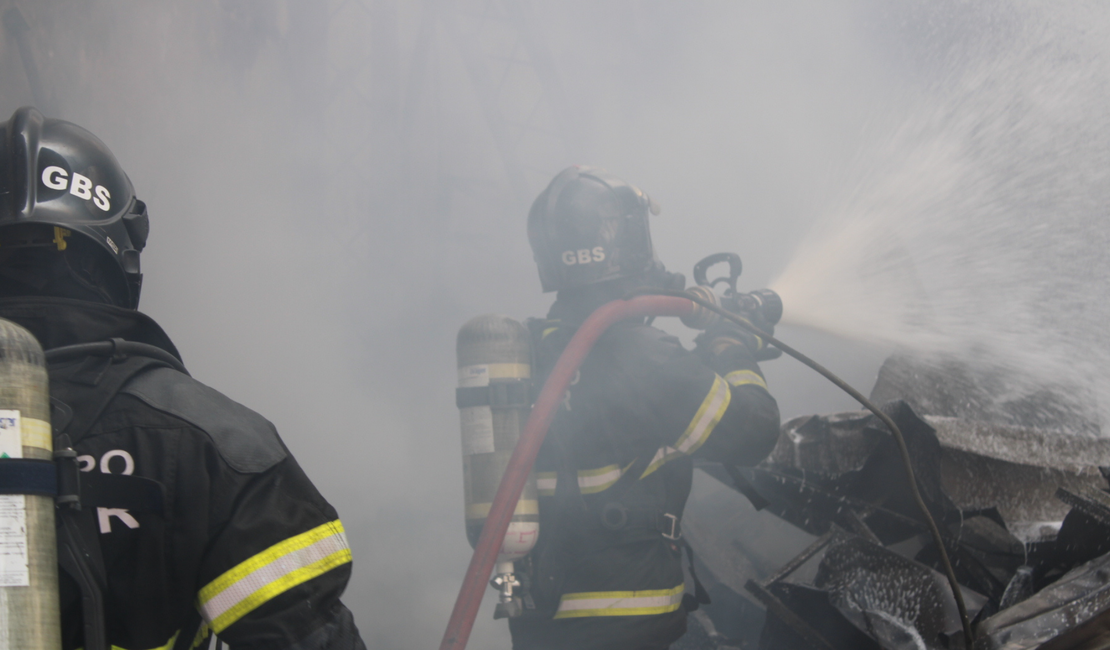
{"x": 675, "y": 532}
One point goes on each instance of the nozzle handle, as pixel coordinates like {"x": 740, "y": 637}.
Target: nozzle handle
{"x": 735, "y": 267}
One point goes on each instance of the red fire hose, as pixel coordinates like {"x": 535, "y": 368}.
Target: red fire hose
{"x": 524, "y": 455}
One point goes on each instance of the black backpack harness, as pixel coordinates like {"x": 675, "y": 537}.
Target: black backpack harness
{"x": 80, "y": 391}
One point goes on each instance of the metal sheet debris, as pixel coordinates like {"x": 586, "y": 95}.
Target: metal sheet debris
{"x": 820, "y": 546}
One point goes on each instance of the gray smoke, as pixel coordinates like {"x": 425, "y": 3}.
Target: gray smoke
{"x": 336, "y": 186}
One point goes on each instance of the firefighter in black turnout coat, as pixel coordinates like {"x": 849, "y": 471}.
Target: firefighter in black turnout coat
{"x": 195, "y": 519}
{"x": 616, "y": 467}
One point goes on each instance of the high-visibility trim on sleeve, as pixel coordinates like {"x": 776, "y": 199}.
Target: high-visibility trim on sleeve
{"x": 590, "y": 481}
{"x": 710, "y": 412}
{"x": 744, "y": 377}
{"x": 271, "y": 573}
{"x": 620, "y": 603}
{"x": 707, "y": 417}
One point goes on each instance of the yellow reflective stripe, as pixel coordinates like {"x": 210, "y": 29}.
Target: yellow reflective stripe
{"x": 710, "y": 412}
{"x": 620, "y": 603}
{"x": 280, "y": 586}
{"x": 743, "y": 377}
{"x": 707, "y": 417}
{"x": 590, "y": 481}
{"x": 273, "y": 572}
{"x": 36, "y": 433}
{"x": 523, "y": 507}
{"x": 243, "y": 569}
{"x": 547, "y": 331}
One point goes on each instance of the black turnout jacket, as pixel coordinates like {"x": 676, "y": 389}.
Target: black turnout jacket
{"x": 614, "y": 474}
{"x": 238, "y": 544}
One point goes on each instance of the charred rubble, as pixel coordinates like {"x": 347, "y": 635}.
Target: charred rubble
{"x": 822, "y": 546}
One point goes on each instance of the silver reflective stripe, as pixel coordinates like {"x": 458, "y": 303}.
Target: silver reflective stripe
{"x": 590, "y": 481}
{"x": 545, "y": 483}
{"x": 712, "y": 408}
{"x": 620, "y": 603}
{"x": 271, "y": 573}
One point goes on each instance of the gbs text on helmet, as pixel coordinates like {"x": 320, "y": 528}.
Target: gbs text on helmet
{"x": 57, "y": 178}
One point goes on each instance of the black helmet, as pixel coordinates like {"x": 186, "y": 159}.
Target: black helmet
{"x": 57, "y": 174}
{"x": 589, "y": 226}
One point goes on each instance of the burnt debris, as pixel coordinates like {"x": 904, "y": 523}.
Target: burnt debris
{"x": 822, "y": 547}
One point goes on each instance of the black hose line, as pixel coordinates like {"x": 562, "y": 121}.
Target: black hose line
{"x": 858, "y": 396}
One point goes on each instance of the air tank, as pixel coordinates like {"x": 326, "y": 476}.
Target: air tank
{"x": 29, "y": 615}
{"x": 494, "y": 400}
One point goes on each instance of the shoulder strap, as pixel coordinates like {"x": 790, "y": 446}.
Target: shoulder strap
{"x": 79, "y": 394}
{"x": 86, "y": 388}
{"x": 79, "y": 555}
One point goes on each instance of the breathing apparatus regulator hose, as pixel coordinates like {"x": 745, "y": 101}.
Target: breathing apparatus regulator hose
{"x": 638, "y": 304}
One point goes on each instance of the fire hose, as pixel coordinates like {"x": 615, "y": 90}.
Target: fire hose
{"x": 637, "y": 305}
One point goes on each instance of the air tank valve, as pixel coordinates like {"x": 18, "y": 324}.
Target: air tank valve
{"x": 505, "y": 581}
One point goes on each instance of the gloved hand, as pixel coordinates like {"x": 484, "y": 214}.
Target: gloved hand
{"x": 724, "y": 334}
{"x": 768, "y": 351}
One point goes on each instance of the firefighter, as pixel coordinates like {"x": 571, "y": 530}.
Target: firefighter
{"x": 195, "y": 520}
{"x": 616, "y": 467}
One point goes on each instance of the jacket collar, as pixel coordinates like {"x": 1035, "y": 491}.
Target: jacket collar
{"x": 573, "y": 306}
{"x": 57, "y": 322}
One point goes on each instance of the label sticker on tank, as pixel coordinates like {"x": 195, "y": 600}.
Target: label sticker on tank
{"x": 13, "y": 511}
{"x": 480, "y": 374}
{"x": 14, "y": 571}
{"x": 476, "y": 375}
{"x": 11, "y": 439}
{"x": 477, "y": 430}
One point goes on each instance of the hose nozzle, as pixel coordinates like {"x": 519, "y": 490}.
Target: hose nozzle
{"x": 701, "y": 318}
{"x": 760, "y": 306}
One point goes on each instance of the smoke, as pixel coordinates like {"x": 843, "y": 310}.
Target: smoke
{"x": 335, "y": 186}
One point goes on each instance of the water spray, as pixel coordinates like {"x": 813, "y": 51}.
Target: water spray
{"x": 765, "y": 306}
{"x": 697, "y": 307}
